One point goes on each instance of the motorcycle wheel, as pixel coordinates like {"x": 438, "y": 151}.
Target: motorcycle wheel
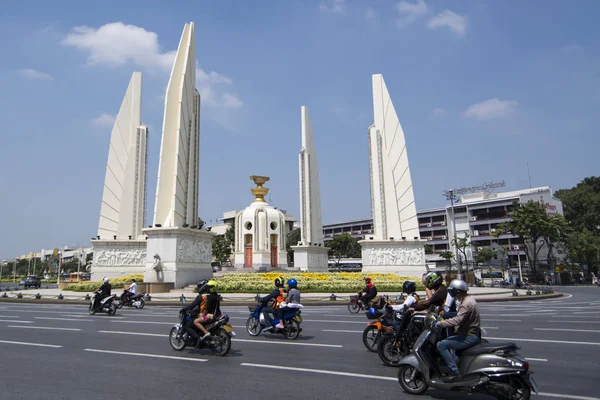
{"x": 91, "y": 310}
{"x": 112, "y": 310}
{"x": 353, "y": 307}
{"x": 175, "y": 339}
{"x": 142, "y": 304}
{"x": 253, "y": 326}
{"x": 371, "y": 336}
{"x": 389, "y": 352}
{"x": 522, "y": 390}
{"x": 415, "y": 386}
{"x": 292, "y": 329}
{"x": 220, "y": 342}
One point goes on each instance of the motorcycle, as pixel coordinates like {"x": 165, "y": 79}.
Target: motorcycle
{"x": 376, "y": 329}
{"x": 106, "y": 305}
{"x": 356, "y": 304}
{"x": 396, "y": 344}
{"x": 256, "y": 323}
{"x": 136, "y": 301}
{"x": 495, "y": 369}
{"x": 219, "y": 340}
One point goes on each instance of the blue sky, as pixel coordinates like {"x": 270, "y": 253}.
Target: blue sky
{"x": 481, "y": 88}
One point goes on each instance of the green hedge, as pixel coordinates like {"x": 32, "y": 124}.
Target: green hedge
{"x": 116, "y": 283}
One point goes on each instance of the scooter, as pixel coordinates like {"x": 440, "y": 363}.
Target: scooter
{"x": 106, "y": 305}
{"x": 256, "y": 323}
{"x": 495, "y": 369}
{"x": 136, "y": 301}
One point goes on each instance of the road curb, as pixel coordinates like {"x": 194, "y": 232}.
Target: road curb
{"x": 249, "y": 303}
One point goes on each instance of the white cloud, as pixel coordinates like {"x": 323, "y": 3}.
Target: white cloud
{"x": 334, "y": 6}
{"x": 116, "y": 44}
{"x": 370, "y": 14}
{"x": 410, "y": 12}
{"x": 439, "y": 112}
{"x": 29, "y": 73}
{"x": 492, "y": 108}
{"x": 450, "y": 20}
{"x": 104, "y": 120}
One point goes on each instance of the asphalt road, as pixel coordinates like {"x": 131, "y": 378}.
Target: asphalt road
{"x": 60, "y": 352}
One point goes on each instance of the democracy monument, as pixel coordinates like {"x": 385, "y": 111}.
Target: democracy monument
{"x": 173, "y": 252}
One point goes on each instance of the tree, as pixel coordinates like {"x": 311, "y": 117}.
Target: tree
{"x": 428, "y": 249}
{"x": 344, "y": 245}
{"x": 462, "y": 243}
{"x": 584, "y": 248}
{"x": 582, "y": 205}
{"x": 484, "y": 256}
{"x": 448, "y": 256}
{"x": 292, "y": 239}
{"x": 221, "y": 249}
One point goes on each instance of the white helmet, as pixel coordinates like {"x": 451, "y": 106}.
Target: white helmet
{"x": 105, "y": 279}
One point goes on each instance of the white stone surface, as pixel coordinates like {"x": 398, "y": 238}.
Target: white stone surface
{"x": 178, "y": 255}
{"x": 122, "y": 213}
{"x": 406, "y": 257}
{"x": 311, "y": 224}
{"x": 115, "y": 258}
{"x": 177, "y": 186}
{"x": 393, "y": 202}
{"x": 310, "y": 258}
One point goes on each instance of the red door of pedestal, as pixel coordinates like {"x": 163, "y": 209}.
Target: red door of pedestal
{"x": 248, "y": 257}
{"x": 273, "y": 256}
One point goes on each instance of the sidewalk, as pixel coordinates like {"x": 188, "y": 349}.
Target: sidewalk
{"x": 174, "y": 297}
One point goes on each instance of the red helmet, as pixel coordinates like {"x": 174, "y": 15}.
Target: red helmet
{"x": 367, "y": 280}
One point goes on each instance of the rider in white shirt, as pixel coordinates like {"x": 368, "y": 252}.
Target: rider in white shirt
{"x": 130, "y": 292}
{"x": 410, "y": 288}
{"x": 133, "y": 287}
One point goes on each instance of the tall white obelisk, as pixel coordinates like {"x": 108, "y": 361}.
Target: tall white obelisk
{"x": 395, "y": 245}
{"x": 179, "y": 252}
{"x": 119, "y": 246}
{"x": 309, "y": 254}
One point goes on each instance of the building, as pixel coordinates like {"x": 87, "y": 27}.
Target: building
{"x": 229, "y": 219}
{"x": 477, "y": 214}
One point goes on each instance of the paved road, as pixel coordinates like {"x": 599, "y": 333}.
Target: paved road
{"x": 86, "y": 356}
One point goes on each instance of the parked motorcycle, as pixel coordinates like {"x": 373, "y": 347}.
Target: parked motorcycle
{"x": 136, "y": 301}
{"x": 256, "y": 323}
{"x": 106, "y": 305}
{"x": 495, "y": 369}
{"x": 396, "y": 344}
{"x": 219, "y": 340}
{"x": 376, "y": 329}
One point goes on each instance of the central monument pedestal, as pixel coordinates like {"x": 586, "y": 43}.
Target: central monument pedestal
{"x": 116, "y": 258}
{"x": 181, "y": 256}
{"x": 310, "y": 258}
{"x": 402, "y": 257}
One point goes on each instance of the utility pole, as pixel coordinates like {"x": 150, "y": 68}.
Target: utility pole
{"x": 450, "y": 197}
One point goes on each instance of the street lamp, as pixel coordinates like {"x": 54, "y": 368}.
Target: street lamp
{"x": 451, "y": 196}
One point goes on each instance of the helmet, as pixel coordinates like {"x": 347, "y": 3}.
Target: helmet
{"x": 279, "y": 282}
{"x": 292, "y": 283}
{"x": 372, "y": 312}
{"x": 202, "y": 286}
{"x": 431, "y": 280}
{"x": 457, "y": 285}
{"x": 212, "y": 285}
{"x": 409, "y": 287}
{"x": 367, "y": 280}
{"x": 105, "y": 279}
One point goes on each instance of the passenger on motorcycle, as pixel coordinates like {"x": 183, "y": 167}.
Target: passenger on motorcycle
{"x": 202, "y": 289}
{"x": 412, "y": 299}
{"x": 436, "y": 292}
{"x": 129, "y": 292}
{"x": 368, "y": 293}
{"x": 273, "y": 300}
{"x": 468, "y": 322}
{"x": 292, "y": 302}
{"x": 207, "y": 302}
{"x": 104, "y": 292}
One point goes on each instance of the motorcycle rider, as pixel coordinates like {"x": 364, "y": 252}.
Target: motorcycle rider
{"x": 468, "y": 322}
{"x": 368, "y": 293}
{"x": 291, "y": 302}
{"x": 129, "y": 292}
{"x": 202, "y": 289}
{"x": 436, "y": 291}
{"x": 273, "y": 300}
{"x": 103, "y": 292}
{"x": 208, "y": 303}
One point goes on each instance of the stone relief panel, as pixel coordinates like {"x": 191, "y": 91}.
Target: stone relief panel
{"x": 317, "y": 260}
{"x": 110, "y": 258}
{"x": 395, "y": 256}
{"x": 194, "y": 251}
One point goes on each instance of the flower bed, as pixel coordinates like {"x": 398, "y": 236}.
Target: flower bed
{"x": 313, "y": 282}
{"x": 116, "y": 283}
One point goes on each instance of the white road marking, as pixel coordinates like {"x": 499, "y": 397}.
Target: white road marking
{"x": 324, "y": 320}
{"x": 565, "y": 330}
{"x": 543, "y": 341}
{"x": 567, "y": 396}
{"x": 288, "y": 343}
{"x": 124, "y": 353}
{"x": 576, "y": 322}
{"x": 341, "y": 330}
{"x": 504, "y": 315}
{"x": 135, "y": 333}
{"x": 43, "y": 327}
{"x": 65, "y": 319}
{"x": 587, "y": 312}
{"x": 9, "y": 316}
{"x": 30, "y": 344}
{"x": 321, "y": 371}
{"x": 144, "y": 322}
{"x": 489, "y": 327}
{"x": 503, "y": 320}
{"x": 16, "y": 321}
{"x": 536, "y": 359}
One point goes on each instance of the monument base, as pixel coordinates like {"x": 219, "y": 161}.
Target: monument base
{"x": 402, "y": 257}
{"x": 261, "y": 261}
{"x": 181, "y": 256}
{"x": 310, "y": 258}
{"x": 116, "y": 258}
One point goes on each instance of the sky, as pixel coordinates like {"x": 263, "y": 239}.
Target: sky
{"x": 481, "y": 88}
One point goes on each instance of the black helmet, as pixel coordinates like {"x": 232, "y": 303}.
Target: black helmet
{"x": 279, "y": 282}
{"x": 409, "y": 287}
{"x": 202, "y": 286}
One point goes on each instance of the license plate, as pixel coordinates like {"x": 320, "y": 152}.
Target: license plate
{"x": 228, "y": 328}
{"x": 298, "y": 318}
{"x": 533, "y": 385}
